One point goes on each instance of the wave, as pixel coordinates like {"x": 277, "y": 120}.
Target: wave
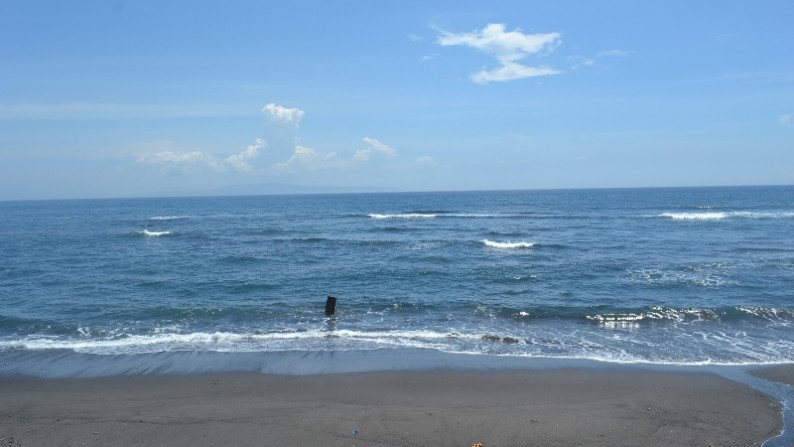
{"x": 703, "y": 275}
{"x": 224, "y": 341}
{"x": 623, "y": 337}
{"x": 508, "y": 245}
{"x": 403, "y": 216}
{"x": 149, "y": 233}
{"x": 435, "y": 214}
{"x": 680, "y": 315}
{"x": 721, "y": 215}
{"x": 165, "y": 218}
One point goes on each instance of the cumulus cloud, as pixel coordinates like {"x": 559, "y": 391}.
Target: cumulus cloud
{"x": 373, "y": 146}
{"x": 283, "y": 114}
{"x": 279, "y": 155}
{"x": 240, "y": 161}
{"x": 787, "y": 120}
{"x": 508, "y": 48}
{"x": 190, "y": 162}
{"x": 305, "y": 159}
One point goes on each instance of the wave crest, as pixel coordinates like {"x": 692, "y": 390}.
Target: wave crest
{"x": 166, "y": 218}
{"x": 508, "y": 245}
{"x": 721, "y": 215}
{"x": 148, "y": 233}
{"x": 403, "y": 216}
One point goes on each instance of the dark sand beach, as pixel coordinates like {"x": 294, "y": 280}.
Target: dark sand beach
{"x": 443, "y": 408}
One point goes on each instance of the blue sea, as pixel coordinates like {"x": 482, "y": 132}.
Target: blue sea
{"x": 679, "y": 276}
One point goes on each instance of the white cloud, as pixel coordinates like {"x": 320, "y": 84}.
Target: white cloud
{"x": 184, "y": 161}
{"x": 510, "y": 72}
{"x": 578, "y": 60}
{"x": 240, "y": 161}
{"x": 612, "y": 53}
{"x": 376, "y": 146}
{"x": 192, "y": 162}
{"x": 787, "y": 120}
{"x": 305, "y": 159}
{"x": 282, "y": 156}
{"x": 283, "y": 114}
{"x": 308, "y": 159}
{"x": 507, "y": 47}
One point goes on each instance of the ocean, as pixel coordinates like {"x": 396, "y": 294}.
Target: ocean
{"x": 665, "y": 276}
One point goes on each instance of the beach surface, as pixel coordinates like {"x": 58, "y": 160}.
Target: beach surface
{"x": 782, "y": 374}
{"x": 569, "y": 407}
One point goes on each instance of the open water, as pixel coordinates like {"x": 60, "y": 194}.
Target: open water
{"x": 683, "y": 276}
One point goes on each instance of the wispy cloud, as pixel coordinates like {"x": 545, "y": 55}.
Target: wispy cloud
{"x": 508, "y": 48}
{"x": 180, "y": 161}
{"x": 613, "y": 53}
{"x": 578, "y": 60}
{"x": 787, "y": 120}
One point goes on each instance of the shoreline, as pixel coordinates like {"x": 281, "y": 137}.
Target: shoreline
{"x": 439, "y": 407}
{"x": 64, "y": 364}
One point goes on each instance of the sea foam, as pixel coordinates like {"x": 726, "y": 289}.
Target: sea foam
{"x": 720, "y": 215}
{"x": 403, "y": 216}
{"x": 507, "y": 245}
{"x": 148, "y": 233}
{"x": 164, "y": 218}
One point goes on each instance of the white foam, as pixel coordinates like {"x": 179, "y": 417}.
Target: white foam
{"x": 403, "y": 216}
{"x": 168, "y": 217}
{"x": 728, "y": 214}
{"x": 695, "y": 216}
{"x": 702, "y": 276}
{"x": 507, "y": 245}
{"x": 148, "y": 233}
{"x": 230, "y": 342}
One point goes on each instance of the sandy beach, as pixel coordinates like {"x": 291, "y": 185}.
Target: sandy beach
{"x": 443, "y": 408}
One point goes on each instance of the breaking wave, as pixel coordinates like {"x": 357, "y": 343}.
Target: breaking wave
{"x": 149, "y": 233}
{"x": 508, "y": 245}
{"x": 165, "y": 218}
{"x": 403, "y": 216}
{"x": 721, "y": 215}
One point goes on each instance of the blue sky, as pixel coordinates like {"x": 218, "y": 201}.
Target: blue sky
{"x": 141, "y": 98}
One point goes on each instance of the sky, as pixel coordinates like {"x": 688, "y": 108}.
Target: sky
{"x": 168, "y": 98}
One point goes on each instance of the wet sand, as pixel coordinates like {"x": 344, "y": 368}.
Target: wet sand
{"x": 443, "y": 408}
{"x": 782, "y": 374}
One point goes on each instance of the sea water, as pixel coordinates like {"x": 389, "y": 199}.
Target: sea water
{"x": 679, "y": 276}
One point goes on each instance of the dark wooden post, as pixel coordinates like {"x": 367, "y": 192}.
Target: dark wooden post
{"x": 330, "y": 305}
